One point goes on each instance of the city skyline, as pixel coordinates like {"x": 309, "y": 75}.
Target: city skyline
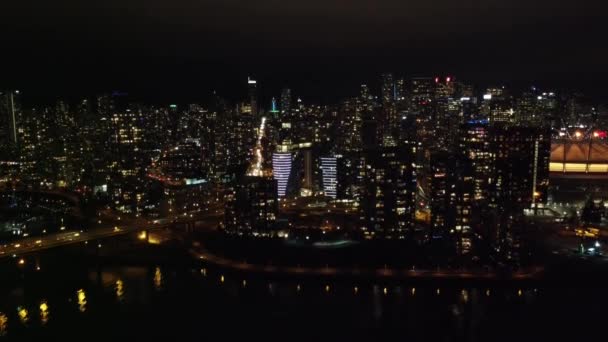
{"x": 312, "y": 170}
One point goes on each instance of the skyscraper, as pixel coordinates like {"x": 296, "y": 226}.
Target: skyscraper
{"x": 252, "y": 87}
{"x": 285, "y": 102}
{"x": 388, "y": 90}
{"x": 387, "y": 202}
{"x": 329, "y": 174}
{"x": 281, "y": 170}
{"x": 10, "y": 112}
{"x": 251, "y": 206}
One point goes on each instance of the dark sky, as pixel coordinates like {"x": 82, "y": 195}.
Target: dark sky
{"x": 322, "y": 48}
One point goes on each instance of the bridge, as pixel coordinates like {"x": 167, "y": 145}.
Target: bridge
{"x": 36, "y": 244}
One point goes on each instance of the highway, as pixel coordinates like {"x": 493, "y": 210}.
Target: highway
{"x": 35, "y": 244}
{"x": 63, "y": 238}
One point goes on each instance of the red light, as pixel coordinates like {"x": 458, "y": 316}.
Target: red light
{"x": 600, "y": 134}
{"x": 448, "y": 79}
{"x": 436, "y": 79}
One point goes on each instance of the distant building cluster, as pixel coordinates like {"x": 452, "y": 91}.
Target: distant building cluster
{"x": 425, "y": 156}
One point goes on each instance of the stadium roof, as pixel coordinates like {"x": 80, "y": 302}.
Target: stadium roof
{"x": 580, "y": 152}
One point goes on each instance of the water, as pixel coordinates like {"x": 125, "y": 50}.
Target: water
{"x": 70, "y": 300}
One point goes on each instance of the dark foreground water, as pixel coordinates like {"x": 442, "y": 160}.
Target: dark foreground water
{"x": 84, "y": 300}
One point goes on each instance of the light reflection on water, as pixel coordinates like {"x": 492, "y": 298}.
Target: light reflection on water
{"x": 158, "y": 279}
{"x": 120, "y": 290}
{"x": 142, "y": 286}
{"x": 23, "y": 315}
{"x": 44, "y": 312}
{"x": 82, "y": 300}
{"x": 3, "y": 324}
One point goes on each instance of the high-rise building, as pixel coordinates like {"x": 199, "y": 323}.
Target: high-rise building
{"x": 329, "y": 172}
{"x": 521, "y": 178}
{"x": 388, "y": 90}
{"x": 251, "y": 206}
{"x": 521, "y": 166}
{"x": 423, "y": 90}
{"x": 285, "y": 102}
{"x": 475, "y": 146}
{"x": 281, "y": 170}
{"x": 440, "y": 178}
{"x": 387, "y": 202}
{"x": 10, "y": 113}
{"x": 252, "y": 89}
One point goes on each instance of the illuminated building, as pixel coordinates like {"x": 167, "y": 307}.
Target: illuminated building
{"x": 329, "y": 174}
{"x": 444, "y": 87}
{"x": 579, "y": 159}
{"x": 476, "y": 147}
{"x": 251, "y": 206}
{"x": 285, "y": 102}
{"x": 281, "y": 170}
{"x": 440, "y": 179}
{"x": 10, "y": 114}
{"x": 274, "y": 110}
{"x": 252, "y": 88}
{"x": 388, "y": 90}
{"x": 400, "y": 90}
{"x": 391, "y": 117}
{"x": 423, "y": 90}
{"x": 387, "y": 202}
{"x": 521, "y": 166}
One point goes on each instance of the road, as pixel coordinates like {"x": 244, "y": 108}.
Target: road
{"x": 125, "y": 226}
{"x": 34, "y": 244}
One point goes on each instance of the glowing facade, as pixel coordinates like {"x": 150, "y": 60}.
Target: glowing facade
{"x": 281, "y": 169}
{"x": 330, "y": 176}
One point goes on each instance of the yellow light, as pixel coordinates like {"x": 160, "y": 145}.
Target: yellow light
{"x": 438, "y": 291}
{"x": 222, "y": 279}
{"x": 119, "y": 289}
{"x": 21, "y": 261}
{"x": 356, "y": 290}
{"x": 82, "y": 300}
{"x": 488, "y": 292}
{"x": 44, "y": 312}
{"x": 23, "y": 314}
{"x": 3, "y": 324}
{"x": 413, "y": 291}
{"x": 326, "y": 288}
{"x": 465, "y": 296}
{"x": 519, "y": 293}
{"x": 158, "y": 279}
{"x": 385, "y": 291}
{"x": 244, "y": 283}
{"x": 142, "y": 235}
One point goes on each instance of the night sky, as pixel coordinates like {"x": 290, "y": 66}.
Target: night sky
{"x": 181, "y": 49}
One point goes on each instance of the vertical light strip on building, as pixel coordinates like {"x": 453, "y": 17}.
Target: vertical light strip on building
{"x": 534, "y": 173}
{"x": 13, "y": 117}
{"x": 329, "y": 172}
{"x": 281, "y": 169}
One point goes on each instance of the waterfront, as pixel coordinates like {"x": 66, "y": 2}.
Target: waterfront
{"x": 114, "y": 299}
